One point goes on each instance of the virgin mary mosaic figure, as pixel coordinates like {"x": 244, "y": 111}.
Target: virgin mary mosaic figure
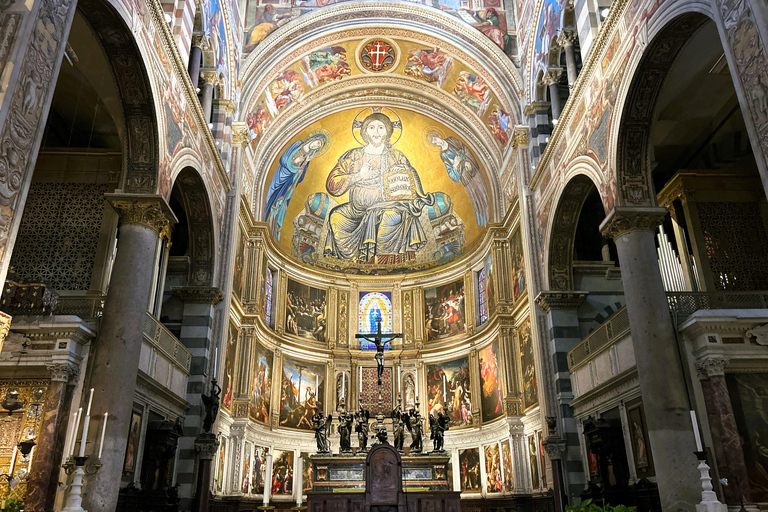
{"x": 385, "y": 198}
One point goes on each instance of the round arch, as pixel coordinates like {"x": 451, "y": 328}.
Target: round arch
{"x": 632, "y": 160}
{"x": 194, "y": 200}
{"x": 141, "y": 156}
{"x": 563, "y": 227}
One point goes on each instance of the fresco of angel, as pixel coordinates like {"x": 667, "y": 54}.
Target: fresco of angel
{"x": 472, "y": 91}
{"x": 429, "y": 65}
{"x": 325, "y": 65}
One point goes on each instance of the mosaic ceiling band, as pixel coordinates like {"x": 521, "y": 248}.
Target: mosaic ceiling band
{"x": 226, "y": 193}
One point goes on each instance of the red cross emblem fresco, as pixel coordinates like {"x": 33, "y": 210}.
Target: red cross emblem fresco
{"x": 377, "y": 55}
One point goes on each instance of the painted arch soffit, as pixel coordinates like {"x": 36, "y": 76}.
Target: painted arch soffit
{"x": 375, "y": 189}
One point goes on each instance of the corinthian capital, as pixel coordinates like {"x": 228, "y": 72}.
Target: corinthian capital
{"x": 63, "y": 372}
{"x": 150, "y": 211}
{"x": 711, "y": 366}
{"x": 625, "y": 219}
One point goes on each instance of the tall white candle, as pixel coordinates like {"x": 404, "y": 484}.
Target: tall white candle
{"x": 13, "y": 460}
{"x": 70, "y": 435}
{"x": 90, "y": 401}
{"x": 268, "y": 480}
{"x": 300, "y": 482}
{"x": 398, "y": 379}
{"x": 360, "y": 377}
{"x": 74, "y": 432}
{"x": 216, "y": 363}
{"x": 317, "y": 385}
{"x": 699, "y": 448}
{"x": 445, "y": 391}
{"x": 343, "y": 384}
{"x": 103, "y": 431}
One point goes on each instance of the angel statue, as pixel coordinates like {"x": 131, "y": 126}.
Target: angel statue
{"x": 437, "y": 427}
{"x": 211, "y": 405}
{"x": 345, "y": 431}
{"x": 416, "y": 429}
{"x": 322, "y": 425}
{"x": 361, "y": 427}
{"x": 398, "y": 428}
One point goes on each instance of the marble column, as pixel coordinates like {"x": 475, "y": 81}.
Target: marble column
{"x": 726, "y": 442}
{"x": 210, "y": 78}
{"x": 34, "y": 34}
{"x": 662, "y": 381}
{"x": 195, "y": 60}
{"x": 44, "y": 476}
{"x": 206, "y": 445}
{"x": 551, "y": 80}
{"x": 143, "y": 220}
{"x": 555, "y": 448}
{"x": 568, "y": 38}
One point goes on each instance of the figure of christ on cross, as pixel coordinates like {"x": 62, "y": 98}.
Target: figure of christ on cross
{"x": 380, "y": 340}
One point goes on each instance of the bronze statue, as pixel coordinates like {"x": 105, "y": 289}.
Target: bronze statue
{"x": 361, "y": 427}
{"x": 437, "y": 427}
{"x": 416, "y": 429}
{"x": 211, "y": 406}
{"x": 345, "y": 431}
{"x": 398, "y": 428}
{"x": 322, "y": 425}
{"x": 380, "y": 340}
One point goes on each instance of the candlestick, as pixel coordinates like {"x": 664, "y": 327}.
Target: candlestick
{"x": 696, "y": 432}
{"x": 300, "y": 484}
{"x": 268, "y": 480}
{"x": 103, "y": 431}
{"x": 74, "y": 433}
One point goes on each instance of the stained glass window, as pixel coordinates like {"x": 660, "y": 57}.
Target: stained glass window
{"x": 268, "y": 302}
{"x": 374, "y": 307}
{"x": 482, "y": 294}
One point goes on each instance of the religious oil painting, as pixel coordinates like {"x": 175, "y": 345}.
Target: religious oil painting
{"x": 542, "y": 458}
{"x": 282, "y": 472}
{"x": 506, "y": 462}
{"x": 258, "y": 469}
{"x": 749, "y": 395}
{"x": 132, "y": 446}
{"x": 261, "y": 390}
{"x": 306, "y": 472}
{"x": 469, "y": 467}
{"x": 448, "y": 391}
{"x": 490, "y": 383}
{"x": 301, "y": 391}
{"x": 227, "y": 380}
{"x": 533, "y": 457}
{"x": 528, "y": 366}
{"x": 518, "y": 265}
{"x": 245, "y": 474}
{"x": 220, "y": 463}
{"x": 639, "y": 437}
{"x": 444, "y": 311}
{"x": 305, "y": 311}
{"x": 493, "y": 469}
{"x": 373, "y": 309}
{"x": 375, "y": 191}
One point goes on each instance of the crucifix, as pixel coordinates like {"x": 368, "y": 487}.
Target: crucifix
{"x": 380, "y": 340}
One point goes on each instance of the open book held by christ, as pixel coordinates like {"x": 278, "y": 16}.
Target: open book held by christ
{"x": 399, "y": 184}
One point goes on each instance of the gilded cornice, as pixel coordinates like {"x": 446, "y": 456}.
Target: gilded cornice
{"x": 604, "y": 36}
{"x": 520, "y": 136}
{"x": 193, "y": 103}
{"x": 549, "y": 300}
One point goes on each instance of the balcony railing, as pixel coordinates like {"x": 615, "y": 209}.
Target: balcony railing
{"x": 36, "y": 299}
{"x": 161, "y": 338}
{"x": 610, "y": 331}
{"x": 684, "y": 304}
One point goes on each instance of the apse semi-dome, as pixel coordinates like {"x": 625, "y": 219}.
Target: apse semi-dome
{"x": 376, "y": 190}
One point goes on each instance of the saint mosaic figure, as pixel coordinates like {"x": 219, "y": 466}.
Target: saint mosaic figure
{"x": 290, "y": 172}
{"x": 385, "y": 198}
